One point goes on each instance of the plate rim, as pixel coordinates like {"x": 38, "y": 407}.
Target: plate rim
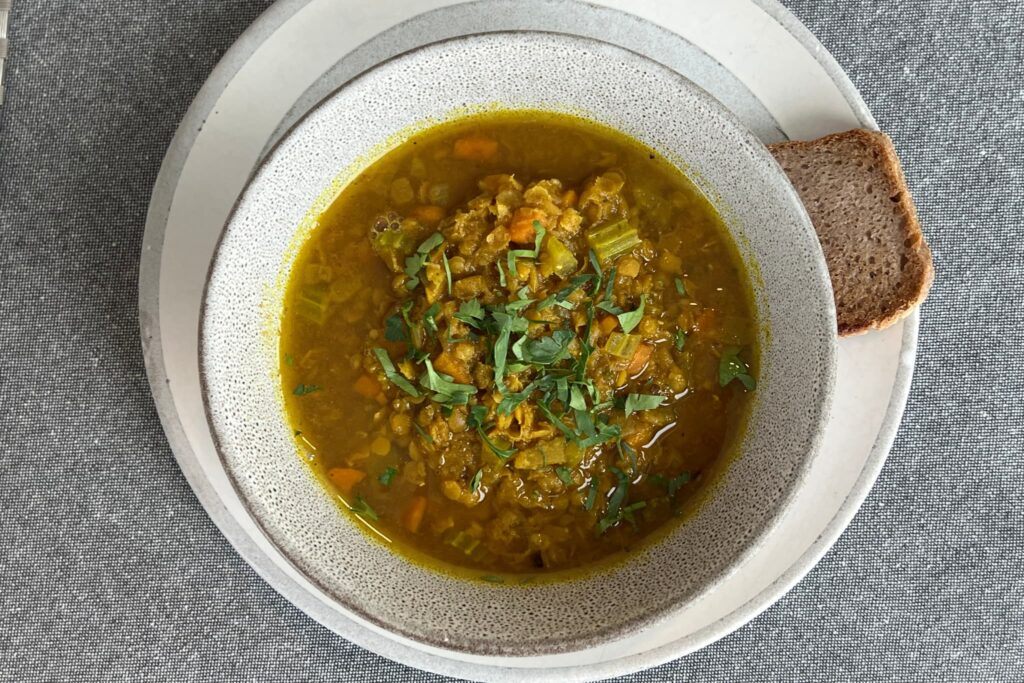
{"x": 234, "y": 59}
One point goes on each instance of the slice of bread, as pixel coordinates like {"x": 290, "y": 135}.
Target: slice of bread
{"x": 855, "y": 193}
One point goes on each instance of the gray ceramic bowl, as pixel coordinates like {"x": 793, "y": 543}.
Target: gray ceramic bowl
{"x": 372, "y": 114}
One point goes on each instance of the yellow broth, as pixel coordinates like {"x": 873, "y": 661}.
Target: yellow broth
{"x": 424, "y": 368}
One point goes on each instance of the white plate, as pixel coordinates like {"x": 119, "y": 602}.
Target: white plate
{"x": 754, "y": 56}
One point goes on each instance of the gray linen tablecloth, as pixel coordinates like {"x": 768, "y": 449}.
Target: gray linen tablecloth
{"x": 109, "y": 567}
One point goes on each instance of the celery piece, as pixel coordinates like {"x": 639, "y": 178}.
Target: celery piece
{"x": 613, "y": 239}
{"x": 556, "y": 258}
{"x": 312, "y": 303}
{"x": 464, "y": 542}
{"x": 622, "y": 345}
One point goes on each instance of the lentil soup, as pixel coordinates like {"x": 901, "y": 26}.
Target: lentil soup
{"x": 519, "y": 342}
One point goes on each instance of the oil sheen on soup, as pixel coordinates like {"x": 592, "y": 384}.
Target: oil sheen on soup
{"x": 518, "y": 343}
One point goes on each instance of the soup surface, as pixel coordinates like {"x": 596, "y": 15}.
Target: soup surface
{"x": 519, "y": 342}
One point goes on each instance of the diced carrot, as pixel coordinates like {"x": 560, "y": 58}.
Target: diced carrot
{"x": 521, "y": 230}
{"x": 608, "y": 323}
{"x": 345, "y": 478}
{"x": 413, "y": 515}
{"x": 640, "y": 358}
{"x": 428, "y": 214}
{"x": 476, "y": 148}
{"x": 367, "y": 385}
{"x": 450, "y": 365}
{"x": 569, "y": 198}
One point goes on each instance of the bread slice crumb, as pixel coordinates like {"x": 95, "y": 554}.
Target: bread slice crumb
{"x": 857, "y": 198}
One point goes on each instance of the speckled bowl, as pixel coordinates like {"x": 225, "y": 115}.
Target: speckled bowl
{"x": 372, "y": 114}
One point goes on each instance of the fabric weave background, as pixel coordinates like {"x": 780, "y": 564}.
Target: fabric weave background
{"x": 111, "y": 570}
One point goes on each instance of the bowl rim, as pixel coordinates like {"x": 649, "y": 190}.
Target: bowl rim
{"x": 818, "y": 420}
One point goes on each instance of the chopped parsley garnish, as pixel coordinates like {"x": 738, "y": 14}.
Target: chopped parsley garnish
{"x": 679, "y": 341}
{"x": 392, "y": 374}
{"x": 680, "y": 287}
{"x": 445, "y": 390}
{"x": 394, "y": 329}
{"x": 447, "y": 271}
{"x": 677, "y": 482}
{"x": 304, "y": 389}
{"x": 474, "y": 483}
{"x": 613, "y": 512}
{"x": 289, "y": 359}
{"x": 731, "y": 367}
{"x": 638, "y": 402}
{"x": 631, "y": 319}
{"x": 565, "y": 474}
{"x": 414, "y": 263}
{"x": 477, "y": 415}
{"x": 422, "y": 432}
{"x": 588, "y": 503}
{"x": 363, "y": 509}
{"x": 387, "y": 476}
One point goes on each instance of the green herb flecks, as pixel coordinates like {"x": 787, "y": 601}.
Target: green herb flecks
{"x": 414, "y": 263}
{"x": 631, "y": 319}
{"x": 588, "y": 503}
{"x": 477, "y": 416}
{"x": 305, "y": 389}
{"x": 422, "y": 432}
{"x": 474, "y": 483}
{"x": 676, "y": 483}
{"x": 564, "y": 474}
{"x": 637, "y": 402}
{"x": 731, "y": 367}
{"x": 445, "y": 390}
{"x": 392, "y": 374}
{"x": 447, "y": 272}
{"x": 387, "y": 476}
{"x": 613, "y": 513}
{"x": 363, "y": 509}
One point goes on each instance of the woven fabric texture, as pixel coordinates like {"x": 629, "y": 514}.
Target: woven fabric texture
{"x": 110, "y": 568}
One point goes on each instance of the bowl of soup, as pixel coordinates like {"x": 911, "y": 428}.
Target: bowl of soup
{"x": 516, "y": 344}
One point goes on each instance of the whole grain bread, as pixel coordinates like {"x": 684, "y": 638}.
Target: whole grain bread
{"x": 857, "y": 198}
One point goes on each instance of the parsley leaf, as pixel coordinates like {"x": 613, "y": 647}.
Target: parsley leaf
{"x": 471, "y": 313}
{"x": 676, "y": 483}
{"x": 637, "y": 402}
{"x": 394, "y": 329}
{"x": 588, "y": 504}
{"x": 503, "y": 453}
{"x": 680, "y": 287}
{"x": 545, "y": 350}
{"x": 474, "y": 483}
{"x": 387, "y": 476}
{"x": 392, "y": 374}
{"x": 445, "y": 390}
{"x": 430, "y": 318}
{"x": 630, "y": 320}
{"x": 422, "y": 432}
{"x": 565, "y": 474}
{"x": 447, "y": 271}
{"x": 363, "y": 509}
{"x": 613, "y": 512}
{"x": 731, "y": 367}
{"x": 303, "y": 389}
{"x": 680, "y": 340}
